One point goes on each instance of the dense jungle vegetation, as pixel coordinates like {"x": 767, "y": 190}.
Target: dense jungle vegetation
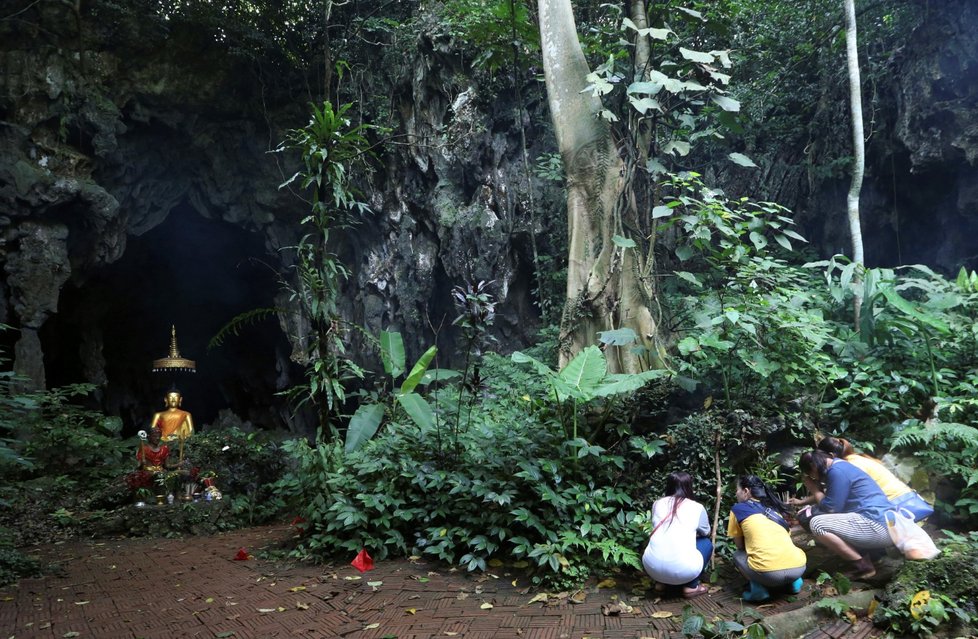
{"x": 553, "y": 455}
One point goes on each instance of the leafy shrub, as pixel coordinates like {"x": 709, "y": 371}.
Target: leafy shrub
{"x": 518, "y": 488}
{"x": 246, "y": 466}
{"x": 934, "y": 594}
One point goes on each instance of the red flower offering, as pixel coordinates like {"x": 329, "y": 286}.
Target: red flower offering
{"x": 242, "y": 555}
{"x": 362, "y": 561}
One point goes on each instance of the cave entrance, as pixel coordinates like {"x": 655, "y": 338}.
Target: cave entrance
{"x": 193, "y": 273}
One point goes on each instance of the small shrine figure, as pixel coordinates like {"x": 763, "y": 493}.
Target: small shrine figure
{"x": 152, "y": 454}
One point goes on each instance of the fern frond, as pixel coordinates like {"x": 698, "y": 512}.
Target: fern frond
{"x": 236, "y": 323}
{"x": 926, "y": 433}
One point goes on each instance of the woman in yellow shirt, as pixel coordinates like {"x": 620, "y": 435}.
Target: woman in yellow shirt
{"x": 899, "y": 494}
{"x": 765, "y": 554}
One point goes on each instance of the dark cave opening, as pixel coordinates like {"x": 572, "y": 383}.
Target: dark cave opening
{"x": 196, "y": 274}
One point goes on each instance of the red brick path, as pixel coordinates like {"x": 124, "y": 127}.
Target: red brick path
{"x": 174, "y": 588}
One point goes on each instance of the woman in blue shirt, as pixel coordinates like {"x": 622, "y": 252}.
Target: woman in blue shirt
{"x": 851, "y": 514}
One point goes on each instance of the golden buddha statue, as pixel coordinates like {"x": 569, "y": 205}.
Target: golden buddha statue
{"x": 174, "y": 422}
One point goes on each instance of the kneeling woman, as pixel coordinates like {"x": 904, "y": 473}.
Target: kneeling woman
{"x": 765, "y": 553}
{"x": 851, "y": 515}
{"x": 679, "y": 546}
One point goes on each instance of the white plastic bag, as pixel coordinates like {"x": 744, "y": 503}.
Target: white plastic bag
{"x": 912, "y": 540}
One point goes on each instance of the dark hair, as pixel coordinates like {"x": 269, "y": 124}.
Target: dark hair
{"x": 814, "y": 460}
{"x": 836, "y": 446}
{"x": 679, "y": 484}
{"x": 762, "y": 493}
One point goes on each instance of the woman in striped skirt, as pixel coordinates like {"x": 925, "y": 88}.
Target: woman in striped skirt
{"x": 850, "y": 516}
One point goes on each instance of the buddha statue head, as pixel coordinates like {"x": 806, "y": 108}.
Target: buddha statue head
{"x": 173, "y": 399}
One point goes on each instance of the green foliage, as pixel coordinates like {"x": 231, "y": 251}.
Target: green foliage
{"x": 744, "y": 624}
{"x": 750, "y": 322}
{"x": 246, "y": 466}
{"x": 518, "y": 488}
{"x": 582, "y": 381}
{"x": 500, "y": 33}
{"x": 14, "y": 564}
{"x": 369, "y": 415}
{"x": 935, "y": 596}
{"x": 683, "y": 95}
{"x": 329, "y": 145}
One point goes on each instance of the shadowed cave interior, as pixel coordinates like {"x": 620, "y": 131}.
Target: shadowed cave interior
{"x": 193, "y": 273}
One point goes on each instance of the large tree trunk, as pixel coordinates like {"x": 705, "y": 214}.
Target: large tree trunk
{"x": 608, "y": 287}
{"x": 858, "y": 144}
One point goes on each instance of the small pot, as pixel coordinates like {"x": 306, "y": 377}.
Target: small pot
{"x": 160, "y": 500}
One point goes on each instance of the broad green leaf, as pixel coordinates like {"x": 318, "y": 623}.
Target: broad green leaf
{"x": 732, "y": 315}
{"x": 742, "y": 160}
{"x": 363, "y": 425}
{"x": 417, "y": 409}
{"x": 644, "y": 104}
{"x": 414, "y": 377}
{"x": 661, "y": 211}
{"x": 689, "y": 277}
{"x": 627, "y": 382}
{"x": 688, "y": 345}
{"x": 619, "y": 337}
{"x": 758, "y": 240}
{"x": 846, "y": 275}
{"x": 644, "y": 88}
{"x": 783, "y": 241}
{"x": 660, "y": 34}
{"x": 793, "y": 235}
{"x": 655, "y": 167}
{"x": 684, "y": 252}
{"x": 908, "y": 309}
{"x": 694, "y": 13}
{"x": 727, "y": 104}
{"x": 624, "y": 242}
{"x": 723, "y": 55}
{"x": 544, "y": 370}
{"x": 585, "y": 371}
{"x": 679, "y": 147}
{"x": 439, "y": 375}
{"x": 392, "y": 353}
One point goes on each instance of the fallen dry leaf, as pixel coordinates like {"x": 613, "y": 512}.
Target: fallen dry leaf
{"x": 209, "y": 600}
{"x": 449, "y": 633}
{"x": 81, "y": 603}
{"x": 462, "y": 596}
{"x": 538, "y": 597}
{"x": 495, "y": 563}
{"x": 297, "y": 589}
{"x": 486, "y": 605}
{"x": 352, "y": 577}
{"x": 609, "y": 610}
{"x": 578, "y": 597}
{"x": 411, "y": 611}
{"x": 661, "y": 614}
{"x": 301, "y": 606}
{"x": 521, "y": 564}
{"x": 264, "y": 610}
{"x": 371, "y": 626}
{"x": 607, "y": 583}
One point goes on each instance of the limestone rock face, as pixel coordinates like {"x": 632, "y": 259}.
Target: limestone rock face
{"x": 110, "y": 136}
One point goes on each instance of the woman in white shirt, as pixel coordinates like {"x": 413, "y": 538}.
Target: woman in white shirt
{"x": 679, "y": 546}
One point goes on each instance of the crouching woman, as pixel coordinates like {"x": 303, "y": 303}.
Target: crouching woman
{"x": 850, "y": 517}
{"x": 679, "y": 546}
{"x": 765, "y": 554}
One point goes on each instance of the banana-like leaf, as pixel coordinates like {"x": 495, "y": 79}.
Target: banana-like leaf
{"x": 363, "y": 425}
{"x": 392, "y": 353}
{"x": 908, "y": 309}
{"x": 417, "y": 409}
{"x": 439, "y": 375}
{"x": 544, "y": 370}
{"x": 414, "y": 377}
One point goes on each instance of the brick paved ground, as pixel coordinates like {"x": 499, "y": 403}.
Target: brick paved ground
{"x": 173, "y": 588}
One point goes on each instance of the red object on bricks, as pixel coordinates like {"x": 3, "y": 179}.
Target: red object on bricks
{"x": 362, "y": 561}
{"x": 242, "y": 555}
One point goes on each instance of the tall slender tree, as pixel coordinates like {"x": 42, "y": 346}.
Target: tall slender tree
{"x": 858, "y": 144}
